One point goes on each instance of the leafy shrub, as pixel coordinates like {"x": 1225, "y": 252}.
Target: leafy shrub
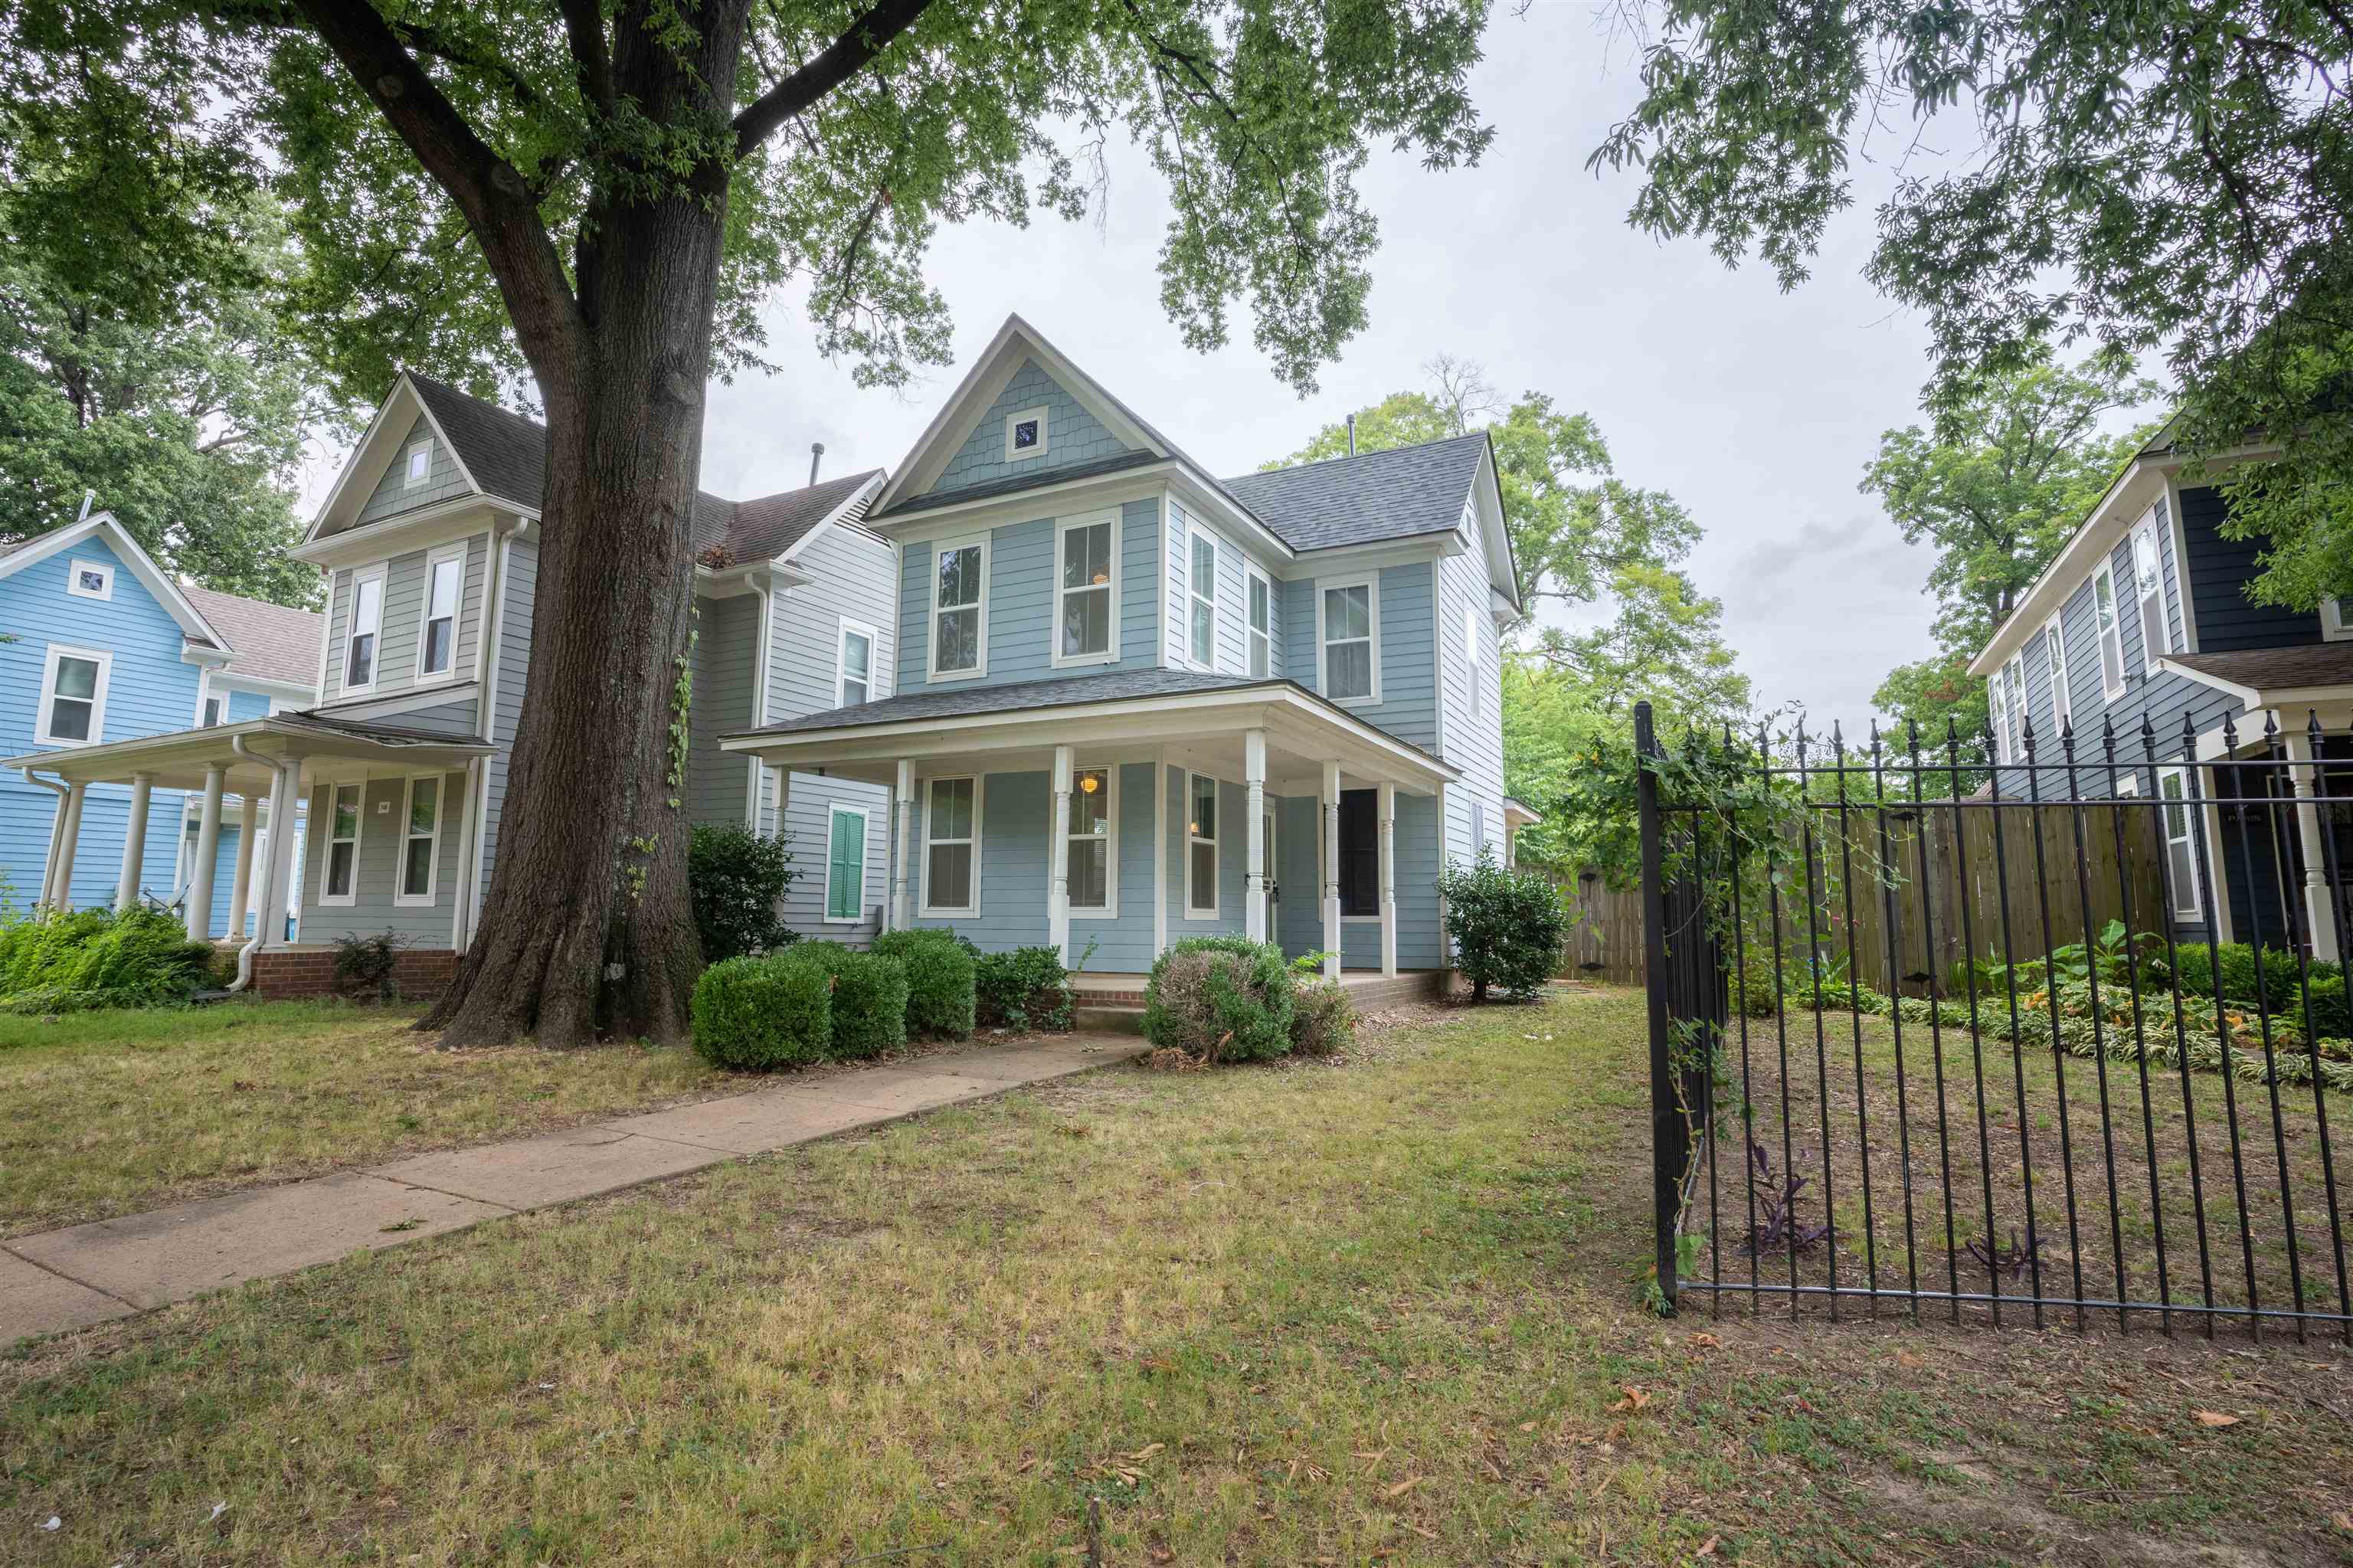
{"x": 2332, "y": 1014}
{"x": 869, "y": 996}
{"x": 1508, "y": 925}
{"x": 939, "y": 980}
{"x": 365, "y": 964}
{"x": 1025, "y": 988}
{"x": 2199, "y": 966}
{"x": 736, "y": 879}
{"x": 95, "y": 957}
{"x": 1322, "y": 1019}
{"x": 1220, "y": 998}
{"x": 761, "y": 1012}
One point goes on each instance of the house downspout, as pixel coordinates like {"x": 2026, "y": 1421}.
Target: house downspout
{"x": 57, "y": 828}
{"x": 261, "y": 922}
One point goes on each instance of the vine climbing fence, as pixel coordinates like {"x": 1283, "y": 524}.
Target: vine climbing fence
{"x": 1929, "y": 1035}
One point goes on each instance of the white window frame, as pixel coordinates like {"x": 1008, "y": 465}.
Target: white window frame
{"x": 105, "y": 570}
{"x": 2111, "y": 636}
{"x": 2014, "y": 701}
{"x": 2191, "y": 816}
{"x": 401, "y": 896}
{"x": 851, "y": 629}
{"x": 930, "y": 910}
{"x": 2128, "y": 787}
{"x": 2153, "y": 650}
{"x": 1063, "y": 527}
{"x": 1471, "y": 660}
{"x": 2055, "y": 664}
{"x": 2336, "y": 618}
{"x": 1254, "y": 576}
{"x": 434, "y": 560}
{"x": 1371, "y": 584}
{"x": 1045, "y": 434}
{"x": 1216, "y": 841}
{"x": 216, "y": 707}
{"x": 327, "y": 850}
{"x": 410, "y": 478}
{"x": 865, "y": 828}
{"x": 378, "y": 575}
{"x": 1109, "y": 837}
{"x": 980, "y": 637}
{"x": 58, "y": 653}
{"x": 1194, "y": 531}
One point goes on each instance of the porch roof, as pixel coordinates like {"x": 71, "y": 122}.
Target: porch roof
{"x": 2303, "y": 673}
{"x": 179, "y": 760}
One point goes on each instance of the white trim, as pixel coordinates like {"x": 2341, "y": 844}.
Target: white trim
{"x": 2105, "y": 572}
{"x": 103, "y": 570}
{"x": 2128, "y": 786}
{"x": 1253, "y": 575}
{"x": 826, "y": 916}
{"x": 2054, "y": 667}
{"x": 413, "y": 474}
{"x": 57, "y": 653}
{"x": 1109, "y": 838}
{"x": 435, "y": 559}
{"x": 1108, "y": 518}
{"x": 401, "y": 896}
{"x": 1215, "y": 839}
{"x": 2191, "y": 812}
{"x": 2152, "y": 656}
{"x": 1371, "y": 584}
{"x": 1438, "y": 641}
{"x": 1195, "y": 531}
{"x": 925, "y": 909}
{"x": 1470, "y": 663}
{"x": 406, "y": 533}
{"x": 404, "y": 398}
{"x": 1044, "y": 435}
{"x": 378, "y": 575}
{"x": 2336, "y": 625}
{"x": 2181, "y": 532}
{"x": 854, "y": 501}
{"x": 935, "y": 610}
{"x": 328, "y": 842}
{"x": 848, "y": 628}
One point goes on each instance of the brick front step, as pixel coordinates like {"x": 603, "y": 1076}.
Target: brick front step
{"x": 287, "y": 974}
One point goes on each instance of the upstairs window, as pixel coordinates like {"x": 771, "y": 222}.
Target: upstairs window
{"x": 418, "y": 466}
{"x": 1091, "y": 841}
{"x": 1201, "y": 596}
{"x": 436, "y": 640}
{"x": 338, "y": 883}
{"x": 367, "y": 619}
{"x": 1262, "y": 624}
{"x": 959, "y": 602}
{"x": 2149, "y": 591}
{"x": 857, "y": 665}
{"x": 2111, "y": 632}
{"x": 91, "y": 579}
{"x": 420, "y": 841}
{"x": 1084, "y": 589}
{"x": 1349, "y": 624}
{"x": 1471, "y": 660}
{"x": 212, "y": 712}
{"x": 2013, "y": 706}
{"x": 73, "y": 696}
{"x": 2054, "y": 655}
{"x": 1024, "y": 434}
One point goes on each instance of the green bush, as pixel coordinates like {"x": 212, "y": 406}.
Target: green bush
{"x": 761, "y": 1012}
{"x": 1025, "y": 988}
{"x": 86, "y": 958}
{"x": 1508, "y": 925}
{"x": 1220, "y": 998}
{"x": 2198, "y": 963}
{"x": 2332, "y": 1015}
{"x": 869, "y": 996}
{"x": 1322, "y": 1019}
{"x": 940, "y": 985}
{"x": 736, "y": 880}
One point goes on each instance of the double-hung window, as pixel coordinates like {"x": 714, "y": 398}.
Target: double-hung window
{"x": 1471, "y": 662}
{"x": 1086, "y": 609}
{"x": 2013, "y": 705}
{"x": 2111, "y": 632}
{"x": 2149, "y": 591}
{"x": 845, "y": 865}
{"x": 437, "y": 639}
{"x": 73, "y": 696}
{"x": 1348, "y": 624}
{"x": 952, "y": 847}
{"x": 2054, "y": 655}
{"x": 1201, "y": 599}
{"x": 1261, "y": 591}
{"x": 1360, "y": 852}
{"x": 960, "y": 610}
{"x": 2180, "y": 847}
{"x": 1200, "y": 846}
{"x": 338, "y": 882}
{"x": 857, "y": 665}
{"x": 1093, "y": 845}
{"x": 420, "y": 841}
{"x": 360, "y": 636}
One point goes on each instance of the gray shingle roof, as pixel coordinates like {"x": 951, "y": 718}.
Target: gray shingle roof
{"x": 272, "y": 642}
{"x": 1017, "y": 483}
{"x": 507, "y": 455}
{"x": 2276, "y": 669}
{"x": 1362, "y": 500}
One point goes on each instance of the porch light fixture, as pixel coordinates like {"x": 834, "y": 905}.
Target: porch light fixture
{"x": 1089, "y": 784}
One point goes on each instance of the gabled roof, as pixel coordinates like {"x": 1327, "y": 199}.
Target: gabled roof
{"x": 269, "y": 642}
{"x": 1397, "y": 493}
{"x": 30, "y": 552}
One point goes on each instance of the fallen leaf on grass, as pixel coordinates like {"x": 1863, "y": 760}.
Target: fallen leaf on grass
{"x": 1906, "y": 1359}
{"x": 2216, "y": 1418}
{"x": 1147, "y": 1451}
{"x": 1403, "y": 1487}
{"x": 1527, "y": 1425}
{"x": 1635, "y": 1398}
{"x": 1709, "y": 1550}
{"x": 1706, "y": 1342}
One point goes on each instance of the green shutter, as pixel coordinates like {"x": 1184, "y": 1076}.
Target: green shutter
{"x": 846, "y": 867}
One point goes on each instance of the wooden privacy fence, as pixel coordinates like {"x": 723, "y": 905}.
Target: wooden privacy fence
{"x": 1947, "y": 871}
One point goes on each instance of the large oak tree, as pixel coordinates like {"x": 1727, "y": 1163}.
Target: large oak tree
{"x": 603, "y": 192}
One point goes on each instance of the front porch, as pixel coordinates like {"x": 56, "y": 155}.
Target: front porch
{"x": 1367, "y": 989}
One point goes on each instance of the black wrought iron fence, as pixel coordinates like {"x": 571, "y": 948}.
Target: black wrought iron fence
{"x": 2113, "y": 1092}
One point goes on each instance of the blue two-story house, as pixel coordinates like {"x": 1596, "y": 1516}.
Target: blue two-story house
{"x": 2144, "y": 616}
{"x": 1132, "y": 702}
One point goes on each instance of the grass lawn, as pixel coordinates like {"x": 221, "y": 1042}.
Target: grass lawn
{"x": 1377, "y": 1311}
{"x": 109, "y": 1113}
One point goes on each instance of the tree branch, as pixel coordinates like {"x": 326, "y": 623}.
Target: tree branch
{"x": 584, "y": 27}
{"x": 864, "y": 38}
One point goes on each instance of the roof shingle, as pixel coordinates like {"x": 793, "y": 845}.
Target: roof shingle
{"x": 2290, "y": 668}
{"x": 272, "y": 642}
{"x": 1396, "y": 494}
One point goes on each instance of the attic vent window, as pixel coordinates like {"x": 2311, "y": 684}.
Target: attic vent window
{"x": 1024, "y": 434}
{"x": 419, "y": 466}
{"x": 91, "y": 579}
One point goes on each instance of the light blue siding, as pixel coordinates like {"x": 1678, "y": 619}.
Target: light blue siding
{"x": 1073, "y": 436}
{"x": 1408, "y": 685}
{"x": 1014, "y": 813}
{"x": 810, "y": 800}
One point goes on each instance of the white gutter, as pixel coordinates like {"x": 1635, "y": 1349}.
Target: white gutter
{"x": 57, "y": 830}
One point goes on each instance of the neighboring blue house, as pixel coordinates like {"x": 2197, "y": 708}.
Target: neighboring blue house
{"x": 107, "y": 646}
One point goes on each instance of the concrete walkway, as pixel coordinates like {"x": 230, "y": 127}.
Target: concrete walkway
{"x": 114, "y": 1268}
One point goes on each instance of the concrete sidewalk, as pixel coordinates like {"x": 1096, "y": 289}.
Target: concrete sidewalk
{"x": 112, "y": 1269}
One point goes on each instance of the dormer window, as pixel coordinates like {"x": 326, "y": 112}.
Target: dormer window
{"x": 1024, "y": 434}
{"x": 417, "y": 466}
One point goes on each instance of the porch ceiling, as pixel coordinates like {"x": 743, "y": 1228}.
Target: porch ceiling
{"x": 180, "y": 760}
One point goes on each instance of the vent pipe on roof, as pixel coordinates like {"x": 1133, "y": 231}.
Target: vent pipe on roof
{"x": 816, "y": 456}
{"x": 1352, "y": 435}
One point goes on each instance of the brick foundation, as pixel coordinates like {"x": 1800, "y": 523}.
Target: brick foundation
{"x": 285, "y": 974}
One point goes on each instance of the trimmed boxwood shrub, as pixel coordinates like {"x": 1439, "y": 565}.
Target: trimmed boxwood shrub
{"x": 736, "y": 880}
{"x": 869, "y": 996}
{"x": 939, "y": 980}
{"x": 1220, "y": 998}
{"x": 1508, "y": 925}
{"x": 765, "y": 1013}
{"x": 1025, "y": 988}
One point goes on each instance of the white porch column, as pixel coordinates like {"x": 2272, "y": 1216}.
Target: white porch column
{"x": 2318, "y": 915}
{"x": 1445, "y": 859}
{"x": 240, "y": 888}
{"x": 63, "y": 865}
{"x": 200, "y": 877}
{"x": 271, "y": 931}
{"x": 1058, "y": 860}
{"x": 1389, "y": 879}
{"x": 902, "y": 889}
{"x": 134, "y": 842}
{"x": 1160, "y": 851}
{"x": 1254, "y": 868}
{"x": 1331, "y": 870}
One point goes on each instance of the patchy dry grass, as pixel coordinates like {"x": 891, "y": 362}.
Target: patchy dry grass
{"x": 1377, "y": 1311}
{"x": 109, "y": 1113}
